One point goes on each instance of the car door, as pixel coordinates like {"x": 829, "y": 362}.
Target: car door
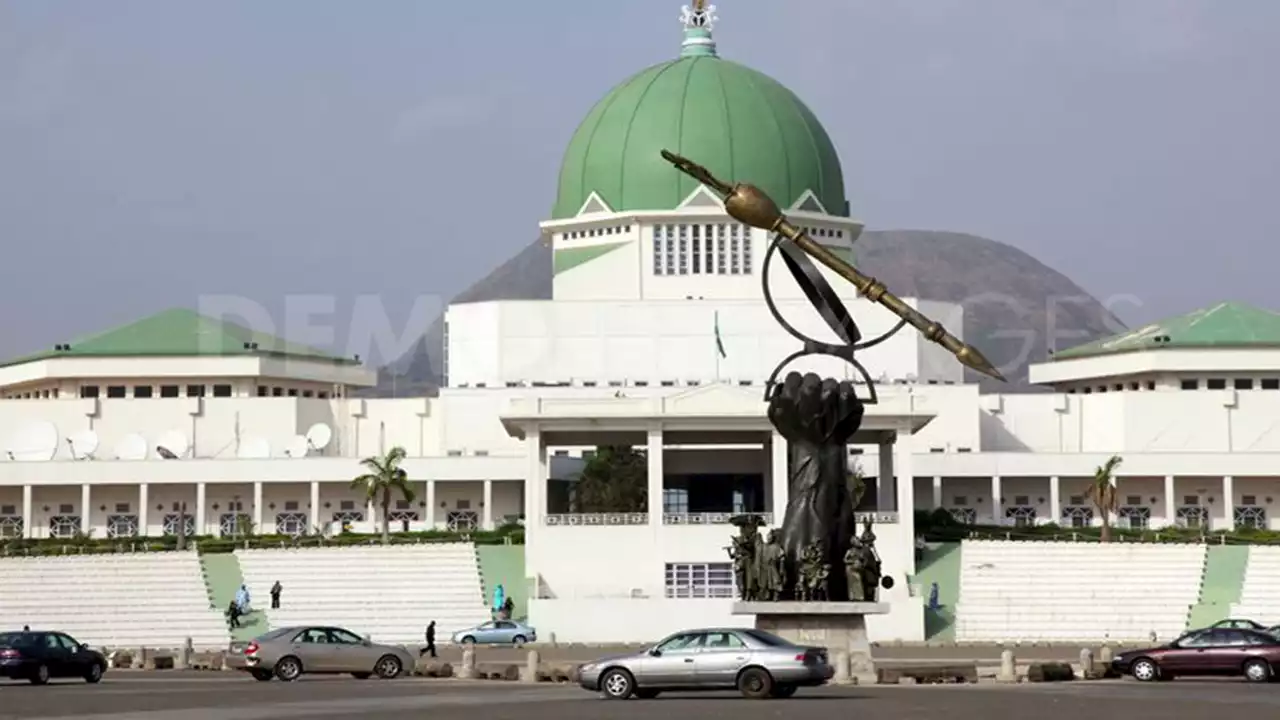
{"x": 55, "y": 656}
{"x": 77, "y": 658}
{"x": 350, "y": 652}
{"x": 484, "y": 633}
{"x": 723, "y": 655}
{"x": 1193, "y": 654}
{"x": 314, "y": 648}
{"x": 503, "y": 631}
{"x": 676, "y": 661}
{"x": 1229, "y": 651}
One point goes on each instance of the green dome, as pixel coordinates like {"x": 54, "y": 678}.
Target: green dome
{"x": 741, "y": 124}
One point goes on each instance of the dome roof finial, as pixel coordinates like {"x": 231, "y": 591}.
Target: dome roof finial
{"x": 698, "y": 21}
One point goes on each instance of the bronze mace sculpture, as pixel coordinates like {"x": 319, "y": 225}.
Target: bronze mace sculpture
{"x": 749, "y": 205}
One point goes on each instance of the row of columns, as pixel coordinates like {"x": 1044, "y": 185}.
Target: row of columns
{"x": 200, "y": 515}
{"x": 1055, "y": 498}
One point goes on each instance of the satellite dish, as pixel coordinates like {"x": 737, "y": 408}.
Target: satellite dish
{"x": 297, "y": 447}
{"x": 83, "y": 444}
{"x": 34, "y": 443}
{"x": 174, "y": 443}
{"x": 254, "y": 449}
{"x": 132, "y": 447}
{"x": 319, "y": 436}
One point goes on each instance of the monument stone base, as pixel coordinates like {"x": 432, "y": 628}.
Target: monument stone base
{"x": 841, "y": 627}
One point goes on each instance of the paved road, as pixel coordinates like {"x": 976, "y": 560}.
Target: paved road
{"x": 181, "y": 696}
{"x": 888, "y": 655}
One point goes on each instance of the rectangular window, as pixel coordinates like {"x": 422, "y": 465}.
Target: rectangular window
{"x": 168, "y": 391}
{"x": 115, "y": 391}
{"x": 1190, "y": 384}
{"x": 1076, "y": 500}
{"x": 142, "y": 391}
{"x": 293, "y": 392}
{"x": 1022, "y": 500}
{"x": 735, "y": 249}
{"x": 683, "y": 256}
{"x": 658, "y": 236}
{"x": 669, "y": 251}
{"x": 700, "y": 580}
{"x": 708, "y": 257}
{"x": 722, "y": 256}
{"x": 1191, "y": 500}
{"x": 195, "y": 391}
{"x": 1216, "y": 384}
{"x": 88, "y": 391}
{"x": 1133, "y": 500}
{"x": 122, "y": 507}
{"x": 697, "y": 249}
{"x": 1244, "y": 384}
{"x": 1151, "y": 384}
{"x": 263, "y": 390}
{"x": 1270, "y": 383}
{"x": 960, "y": 500}
{"x": 222, "y": 391}
{"x": 1248, "y": 500}
{"x": 746, "y": 251}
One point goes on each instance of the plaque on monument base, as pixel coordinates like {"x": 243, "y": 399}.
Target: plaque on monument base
{"x": 841, "y": 627}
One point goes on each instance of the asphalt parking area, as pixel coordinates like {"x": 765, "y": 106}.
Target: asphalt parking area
{"x": 171, "y": 696}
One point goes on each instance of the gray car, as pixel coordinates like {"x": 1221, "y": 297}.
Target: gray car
{"x": 757, "y": 663}
{"x": 288, "y": 653}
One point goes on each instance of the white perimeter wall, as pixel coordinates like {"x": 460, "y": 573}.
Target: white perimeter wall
{"x": 592, "y": 572}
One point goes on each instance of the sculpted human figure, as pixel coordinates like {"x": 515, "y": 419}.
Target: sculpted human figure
{"x": 740, "y": 552}
{"x": 870, "y": 564}
{"x": 817, "y": 417}
{"x": 853, "y": 564}
{"x": 771, "y": 568}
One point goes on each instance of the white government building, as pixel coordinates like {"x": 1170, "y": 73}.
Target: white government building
{"x": 649, "y": 271}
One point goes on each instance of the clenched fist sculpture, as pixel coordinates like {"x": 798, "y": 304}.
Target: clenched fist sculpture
{"x": 817, "y": 417}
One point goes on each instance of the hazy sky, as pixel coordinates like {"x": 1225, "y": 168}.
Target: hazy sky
{"x": 154, "y": 152}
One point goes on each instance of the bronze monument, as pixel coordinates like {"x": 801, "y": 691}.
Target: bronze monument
{"x": 817, "y": 417}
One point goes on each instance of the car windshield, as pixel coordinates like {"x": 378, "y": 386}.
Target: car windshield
{"x": 767, "y": 638}
{"x": 16, "y": 639}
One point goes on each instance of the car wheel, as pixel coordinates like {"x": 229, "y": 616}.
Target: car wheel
{"x": 1257, "y": 670}
{"x": 518, "y": 641}
{"x": 468, "y": 640}
{"x": 261, "y": 675}
{"x": 646, "y": 694}
{"x": 1145, "y": 670}
{"x": 389, "y": 667}
{"x": 94, "y": 674}
{"x": 617, "y": 684}
{"x": 783, "y": 691}
{"x": 755, "y": 683}
{"x": 289, "y": 668}
{"x": 41, "y": 675}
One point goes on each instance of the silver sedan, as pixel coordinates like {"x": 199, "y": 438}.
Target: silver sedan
{"x": 758, "y": 664}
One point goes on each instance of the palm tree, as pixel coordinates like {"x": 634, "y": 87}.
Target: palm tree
{"x": 1102, "y": 492}
{"x": 385, "y": 476}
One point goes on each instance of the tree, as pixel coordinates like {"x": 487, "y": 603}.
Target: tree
{"x": 1102, "y": 493}
{"x": 614, "y": 479}
{"x": 384, "y": 478}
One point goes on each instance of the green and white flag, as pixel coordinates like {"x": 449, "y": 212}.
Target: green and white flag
{"x": 719, "y": 341}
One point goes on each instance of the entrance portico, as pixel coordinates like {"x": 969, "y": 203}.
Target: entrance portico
{"x": 610, "y": 557}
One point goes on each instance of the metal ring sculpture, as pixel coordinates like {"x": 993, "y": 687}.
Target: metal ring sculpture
{"x": 825, "y": 300}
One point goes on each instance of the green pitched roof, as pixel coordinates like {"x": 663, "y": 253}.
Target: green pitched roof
{"x": 1225, "y": 325}
{"x": 182, "y": 333}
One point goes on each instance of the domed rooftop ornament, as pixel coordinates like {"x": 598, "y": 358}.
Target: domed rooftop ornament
{"x": 735, "y": 120}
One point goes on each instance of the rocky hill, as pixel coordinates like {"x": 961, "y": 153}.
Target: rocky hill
{"x": 1012, "y": 302}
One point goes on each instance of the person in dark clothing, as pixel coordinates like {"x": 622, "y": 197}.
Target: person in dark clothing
{"x": 275, "y": 595}
{"x": 431, "y": 641}
{"x": 233, "y": 615}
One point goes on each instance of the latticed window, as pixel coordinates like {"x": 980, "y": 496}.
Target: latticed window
{"x": 1193, "y": 516}
{"x": 1020, "y": 516}
{"x": 1077, "y": 516}
{"x": 171, "y": 524}
{"x": 64, "y": 526}
{"x": 122, "y": 526}
{"x": 1251, "y": 517}
{"x": 964, "y": 515}
{"x": 461, "y": 520}
{"x": 700, "y": 580}
{"x": 1135, "y": 518}
{"x": 291, "y": 523}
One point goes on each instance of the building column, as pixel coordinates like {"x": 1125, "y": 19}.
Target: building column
{"x": 315, "y": 506}
{"x": 257, "y": 508}
{"x": 429, "y": 500}
{"x": 27, "y": 520}
{"x": 1055, "y": 499}
{"x": 1170, "y": 502}
{"x": 487, "y": 517}
{"x": 937, "y": 492}
{"x": 86, "y": 509}
{"x": 997, "y": 505}
{"x": 201, "y": 527}
{"x": 886, "y": 492}
{"x": 657, "y": 473}
{"x": 1228, "y": 503}
{"x": 535, "y": 482}
{"x": 144, "y": 502}
{"x": 780, "y": 477}
{"x": 905, "y": 446}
